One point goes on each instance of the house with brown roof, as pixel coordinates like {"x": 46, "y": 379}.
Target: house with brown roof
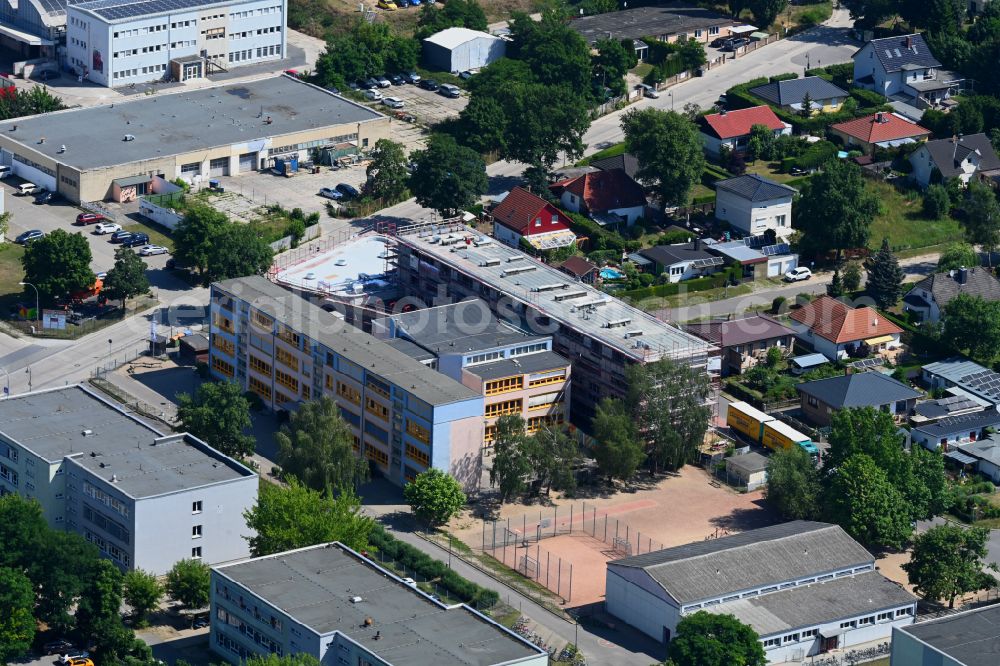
{"x": 882, "y": 130}
{"x": 732, "y": 128}
{"x": 931, "y": 296}
{"x": 835, "y": 329}
{"x": 581, "y": 269}
{"x": 743, "y": 342}
{"x": 609, "y": 197}
{"x": 527, "y": 216}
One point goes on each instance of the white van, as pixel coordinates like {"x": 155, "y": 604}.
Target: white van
{"x": 26, "y": 188}
{"x": 4, "y": 171}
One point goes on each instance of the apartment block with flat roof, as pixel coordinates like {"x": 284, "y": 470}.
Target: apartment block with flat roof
{"x": 515, "y": 372}
{"x": 405, "y": 416}
{"x": 144, "y": 498}
{"x": 333, "y": 603}
{"x": 599, "y": 334}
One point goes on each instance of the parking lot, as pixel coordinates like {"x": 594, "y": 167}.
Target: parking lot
{"x": 427, "y": 106}
{"x": 27, "y": 215}
{"x": 300, "y": 191}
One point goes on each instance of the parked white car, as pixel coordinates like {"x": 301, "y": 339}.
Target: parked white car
{"x": 649, "y": 91}
{"x": 393, "y": 102}
{"x": 373, "y": 95}
{"x": 107, "y": 228}
{"x": 798, "y": 274}
{"x": 150, "y": 250}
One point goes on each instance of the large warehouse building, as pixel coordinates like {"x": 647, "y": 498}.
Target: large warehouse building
{"x": 98, "y": 153}
{"x": 118, "y": 42}
{"x": 461, "y": 49}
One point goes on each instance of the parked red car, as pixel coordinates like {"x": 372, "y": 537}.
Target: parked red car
{"x": 89, "y": 218}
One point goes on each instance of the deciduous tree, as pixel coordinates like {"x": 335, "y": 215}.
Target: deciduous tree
{"x": 58, "y": 265}
{"x": 434, "y": 496}
{"x": 612, "y": 62}
{"x": 511, "y": 466}
{"x": 972, "y": 326}
{"x": 957, "y": 255}
{"x": 189, "y": 581}
{"x": 760, "y": 145}
{"x": 885, "y": 279}
{"x": 766, "y": 11}
{"x": 669, "y": 151}
{"x": 237, "y": 251}
{"x": 981, "y": 216}
{"x": 17, "y": 624}
{"x": 387, "y": 172}
{"x": 617, "y": 450}
{"x": 669, "y": 402}
{"x": 711, "y": 639}
{"x": 142, "y": 592}
{"x": 852, "y": 276}
{"x": 835, "y": 210}
{"x": 195, "y": 235}
{"x": 98, "y": 612}
{"x": 127, "y": 278}
{"x": 219, "y": 414}
{"x": 949, "y": 560}
{"x": 860, "y": 498}
{"x": 793, "y": 484}
{"x": 291, "y": 517}
{"x": 553, "y": 455}
{"x": 446, "y": 176}
{"x": 316, "y": 446}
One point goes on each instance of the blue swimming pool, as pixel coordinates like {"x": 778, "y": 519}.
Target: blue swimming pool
{"x": 611, "y": 274}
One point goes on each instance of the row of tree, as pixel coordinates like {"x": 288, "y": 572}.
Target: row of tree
{"x": 59, "y": 266}
{"x": 662, "y": 421}
{"x": 869, "y": 484}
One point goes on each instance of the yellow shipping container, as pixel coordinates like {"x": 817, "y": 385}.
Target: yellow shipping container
{"x": 778, "y": 435}
{"x": 747, "y": 420}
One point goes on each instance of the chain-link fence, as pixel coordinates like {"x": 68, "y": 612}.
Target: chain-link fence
{"x": 515, "y": 542}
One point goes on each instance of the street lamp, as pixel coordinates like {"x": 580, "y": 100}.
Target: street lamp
{"x": 6, "y": 389}
{"x": 38, "y": 311}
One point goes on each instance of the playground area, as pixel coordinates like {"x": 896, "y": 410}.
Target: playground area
{"x": 565, "y": 546}
{"x": 354, "y": 264}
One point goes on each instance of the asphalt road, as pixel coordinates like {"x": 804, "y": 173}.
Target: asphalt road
{"x": 914, "y": 269}
{"x": 829, "y": 43}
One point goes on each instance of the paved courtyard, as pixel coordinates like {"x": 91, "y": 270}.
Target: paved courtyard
{"x": 685, "y": 507}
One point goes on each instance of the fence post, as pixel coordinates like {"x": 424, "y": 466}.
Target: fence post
{"x": 569, "y": 597}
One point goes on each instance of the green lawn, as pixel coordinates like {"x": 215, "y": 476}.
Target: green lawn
{"x": 769, "y": 170}
{"x": 158, "y": 235}
{"x": 10, "y": 274}
{"x": 642, "y": 69}
{"x": 901, "y": 220}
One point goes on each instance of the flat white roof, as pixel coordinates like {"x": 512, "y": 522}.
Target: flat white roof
{"x": 750, "y": 410}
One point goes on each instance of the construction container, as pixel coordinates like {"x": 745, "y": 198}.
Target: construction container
{"x": 747, "y": 420}
{"x": 778, "y": 435}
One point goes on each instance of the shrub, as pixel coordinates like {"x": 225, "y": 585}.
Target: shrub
{"x": 937, "y": 203}
{"x": 778, "y": 304}
{"x": 787, "y": 163}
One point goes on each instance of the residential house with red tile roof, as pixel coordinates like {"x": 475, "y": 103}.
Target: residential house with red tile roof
{"x": 523, "y": 215}
{"x": 608, "y": 197}
{"x": 732, "y": 128}
{"x": 834, "y": 329}
{"x": 882, "y": 130}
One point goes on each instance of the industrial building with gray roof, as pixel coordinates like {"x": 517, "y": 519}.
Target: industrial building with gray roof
{"x": 134, "y": 489}
{"x": 337, "y": 600}
{"x": 804, "y": 587}
{"x": 221, "y": 130}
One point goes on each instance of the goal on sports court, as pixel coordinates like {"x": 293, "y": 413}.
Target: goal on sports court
{"x": 622, "y": 545}
{"x": 528, "y": 567}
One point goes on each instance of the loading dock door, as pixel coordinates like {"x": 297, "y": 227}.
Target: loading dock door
{"x": 219, "y": 167}
{"x": 248, "y": 162}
